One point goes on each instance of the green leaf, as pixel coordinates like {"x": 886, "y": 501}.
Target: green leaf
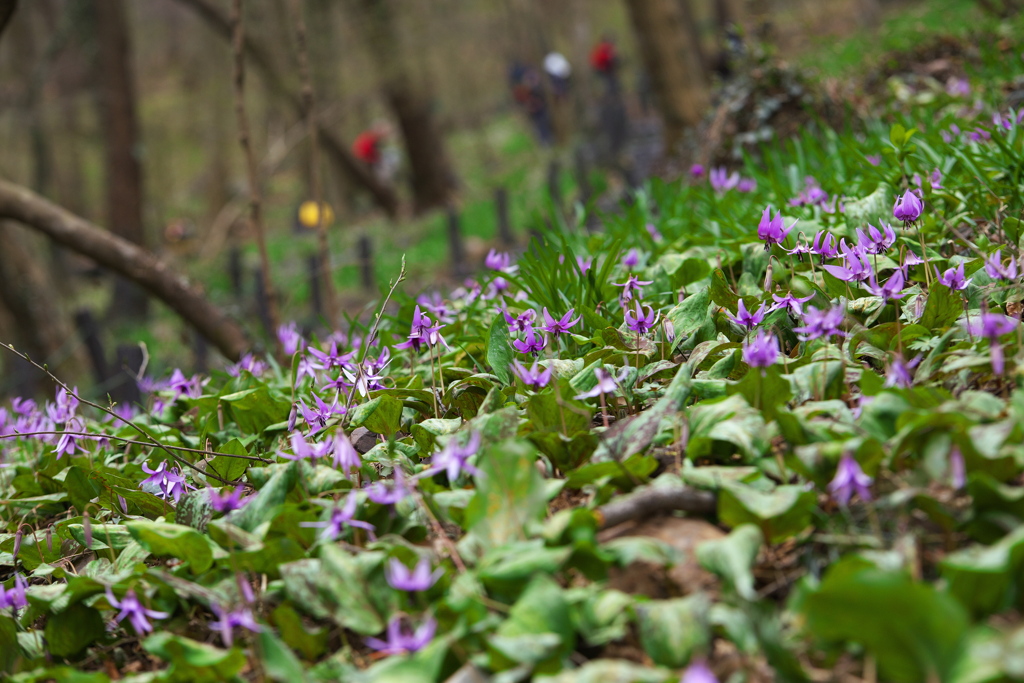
{"x": 279, "y": 663}
{"x": 671, "y": 631}
{"x": 381, "y": 415}
{"x": 71, "y": 631}
{"x": 914, "y": 631}
{"x": 721, "y": 291}
{"x": 941, "y": 309}
{"x": 309, "y": 642}
{"x": 768, "y": 392}
{"x": 264, "y": 504}
{"x": 732, "y": 558}
{"x": 226, "y": 467}
{"x": 541, "y": 611}
{"x": 499, "y": 350}
{"x": 546, "y": 413}
{"x": 80, "y": 487}
{"x": 194, "y": 661}
{"x": 256, "y": 409}
{"x": 509, "y": 494}
{"x": 779, "y": 514}
{"x": 612, "y": 671}
{"x": 897, "y": 135}
{"x": 9, "y": 651}
{"x": 983, "y": 578}
{"x": 175, "y": 540}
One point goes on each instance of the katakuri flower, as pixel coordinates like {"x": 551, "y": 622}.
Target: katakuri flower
{"x": 402, "y": 578}
{"x": 632, "y": 284}
{"x": 856, "y": 266}
{"x": 534, "y": 377}
{"x": 957, "y": 468}
{"x": 606, "y": 383}
{"x": 500, "y": 261}
{"x": 561, "y": 325}
{"x": 402, "y": 641}
{"x": 907, "y": 208}
{"x": 521, "y": 322}
{"x": 849, "y": 479}
{"x": 818, "y": 323}
{"x": 316, "y": 417}
{"x": 991, "y": 326}
{"x": 344, "y": 456}
{"x": 640, "y": 322}
{"x": 876, "y": 241}
{"x": 388, "y": 492}
{"x": 772, "y": 230}
{"x": 290, "y": 338}
{"x": 698, "y": 672}
{"x": 892, "y": 289}
{"x": 340, "y": 518}
{"x": 722, "y": 181}
{"x": 168, "y": 483}
{"x": 997, "y": 271}
{"x": 697, "y": 171}
{"x": 531, "y": 342}
{"x": 900, "y": 372}
{"x": 227, "y": 502}
{"x": 230, "y": 619}
{"x": 137, "y": 614}
{"x": 762, "y": 351}
{"x": 631, "y": 258}
{"x": 792, "y": 303}
{"x": 453, "y": 459}
{"x": 422, "y": 332}
{"x": 824, "y": 245}
{"x": 954, "y": 278}
{"x": 14, "y": 597}
{"x": 745, "y": 318}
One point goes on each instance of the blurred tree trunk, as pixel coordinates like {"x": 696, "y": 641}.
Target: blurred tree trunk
{"x": 119, "y": 124}
{"x": 673, "y": 63}
{"x": 411, "y": 101}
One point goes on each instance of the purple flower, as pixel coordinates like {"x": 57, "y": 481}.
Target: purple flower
{"x": 182, "y": 386}
{"x": 900, "y": 372}
{"x": 534, "y": 377}
{"x": 453, "y": 458}
{"x": 584, "y": 264}
{"x": 991, "y": 327}
{"x": 531, "y": 343}
{"x": 909, "y": 261}
{"x": 640, "y": 322}
{"x": 400, "y": 641}
{"x": 849, "y": 479}
{"x": 170, "y": 483}
{"x": 762, "y": 351}
{"x": 819, "y": 323}
{"x": 500, "y": 261}
{"x": 388, "y": 492}
{"x": 790, "y": 302}
{"x": 698, "y": 672}
{"x": 811, "y": 195}
{"x": 226, "y": 502}
{"x": 560, "y": 326}
{"x": 856, "y": 267}
{"x": 368, "y": 377}
{"x": 876, "y": 241}
{"x": 343, "y": 455}
{"x": 799, "y": 250}
{"x": 772, "y": 230}
{"x": 340, "y": 517}
{"x": 301, "y": 449}
{"x": 746, "y": 185}
{"x": 423, "y": 331}
{"x": 722, "y": 181}
{"x": 745, "y": 318}
{"x": 954, "y": 278}
{"x": 436, "y": 306}
{"x": 907, "y": 208}
{"x": 606, "y": 383}
{"x": 290, "y": 338}
{"x": 14, "y": 597}
{"x": 419, "y": 579}
{"x": 65, "y": 406}
{"x": 824, "y": 245}
{"x": 653, "y": 232}
{"x": 632, "y": 284}
{"x": 957, "y": 469}
{"x": 631, "y": 258}
{"x": 229, "y": 620}
{"x": 316, "y": 417}
{"x": 521, "y": 322}
{"x": 874, "y": 159}
{"x": 892, "y": 289}
{"x": 131, "y": 607}
{"x": 697, "y": 171}
{"x": 997, "y": 271}
{"x": 249, "y": 363}
{"x": 67, "y": 444}
{"x": 958, "y": 87}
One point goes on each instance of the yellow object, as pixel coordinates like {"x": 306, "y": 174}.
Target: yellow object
{"x": 309, "y": 214}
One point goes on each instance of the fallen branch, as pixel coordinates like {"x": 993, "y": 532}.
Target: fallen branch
{"x": 652, "y": 500}
{"x": 124, "y": 258}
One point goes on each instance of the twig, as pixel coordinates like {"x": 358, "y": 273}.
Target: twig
{"x": 255, "y": 200}
{"x": 110, "y": 412}
{"x": 132, "y": 442}
{"x": 649, "y": 501}
{"x": 309, "y": 110}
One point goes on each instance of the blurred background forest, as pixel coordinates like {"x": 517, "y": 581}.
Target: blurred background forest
{"x": 124, "y": 112}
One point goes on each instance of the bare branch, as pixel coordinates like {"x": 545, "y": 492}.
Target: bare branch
{"x": 651, "y": 500}
{"x": 133, "y": 262}
{"x": 7, "y": 8}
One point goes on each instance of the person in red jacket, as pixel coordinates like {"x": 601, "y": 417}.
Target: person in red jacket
{"x": 370, "y": 147}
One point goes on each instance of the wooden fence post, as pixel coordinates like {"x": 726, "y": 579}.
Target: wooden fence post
{"x": 315, "y": 289}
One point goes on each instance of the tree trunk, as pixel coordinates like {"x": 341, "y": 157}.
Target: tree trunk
{"x": 7, "y": 8}
{"x": 120, "y": 127}
{"x": 336, "y": 150}
{"x": 673, "y": 63}
{"x": 126, "y": 259}
{"x": 411, "y": 101}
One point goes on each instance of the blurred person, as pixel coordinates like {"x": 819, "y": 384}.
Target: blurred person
{"x": 605, "y": 61}
{"x": 558, "y": 71}
{"x": 528, "y": 91}
{"x": 370, "y": 148}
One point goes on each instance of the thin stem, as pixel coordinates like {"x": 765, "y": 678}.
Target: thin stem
{"x": 132, "y": 442}
{"x": 252, "y": 171}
